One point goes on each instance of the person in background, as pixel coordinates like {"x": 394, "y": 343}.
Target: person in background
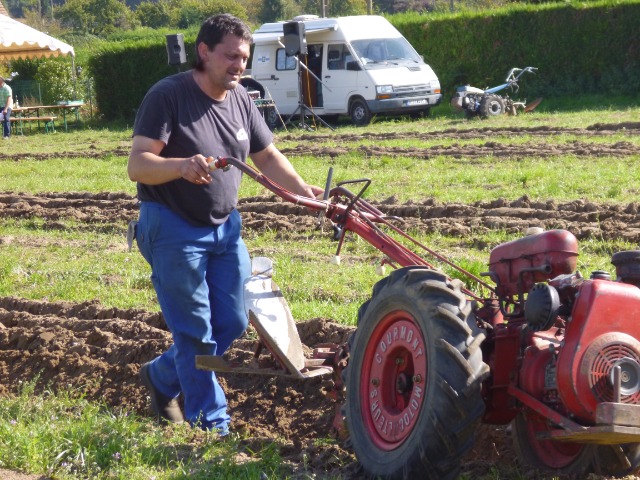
{"x": 6, "y": 101}
{"x": 189, "y": 228}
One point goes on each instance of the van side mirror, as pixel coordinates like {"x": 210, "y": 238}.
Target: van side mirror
{"x": 353, "y": 65}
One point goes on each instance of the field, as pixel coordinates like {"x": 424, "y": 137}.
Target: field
{"x": 77, "y": 310}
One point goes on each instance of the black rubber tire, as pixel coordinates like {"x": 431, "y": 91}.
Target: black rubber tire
{"x": 272, "y": 118}
{"x": 359, "y": 112}
{"x": 563, "y": 458}
{"x": 440, "y": 387}
{"x": 491, "y": 106}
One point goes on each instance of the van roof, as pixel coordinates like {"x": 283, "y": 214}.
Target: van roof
{"x": 352, "y": 28}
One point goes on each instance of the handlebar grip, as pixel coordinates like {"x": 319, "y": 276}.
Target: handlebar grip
{"x": 221, "y": 163}
{"x": 327, "y": 185}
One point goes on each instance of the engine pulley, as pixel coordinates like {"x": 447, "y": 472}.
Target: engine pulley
{"x": 629, "y": 376}
{"x": 541, "y": 307}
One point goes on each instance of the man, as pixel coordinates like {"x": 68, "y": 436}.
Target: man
{"x": 189, "y": 228}
{"x": 6, "y": 101}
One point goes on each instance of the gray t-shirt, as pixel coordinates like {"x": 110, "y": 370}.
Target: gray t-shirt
{"x": 178, "y": 112}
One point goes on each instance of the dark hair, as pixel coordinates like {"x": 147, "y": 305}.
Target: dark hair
{"x": 215, "y": 28}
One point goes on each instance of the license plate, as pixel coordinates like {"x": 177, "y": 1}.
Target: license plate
{"x": 411, "y": 103}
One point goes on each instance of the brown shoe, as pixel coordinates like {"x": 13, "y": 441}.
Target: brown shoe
{"x": 167, "y": 409}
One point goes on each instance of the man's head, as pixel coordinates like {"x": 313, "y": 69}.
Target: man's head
{"x": 213, "y": 31}
{"x": 1, "y": 80}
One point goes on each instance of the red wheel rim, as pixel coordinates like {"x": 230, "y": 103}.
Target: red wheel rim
{"x": 392, "y": 385}
{"x": 551, "y": 453}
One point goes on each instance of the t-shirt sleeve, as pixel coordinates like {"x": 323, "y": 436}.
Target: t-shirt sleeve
{"x": 153, "y": 119}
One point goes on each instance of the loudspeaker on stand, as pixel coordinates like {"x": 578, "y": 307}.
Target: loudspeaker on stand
{"x": 175, "y": 49}
{"x": 295, "y": 42}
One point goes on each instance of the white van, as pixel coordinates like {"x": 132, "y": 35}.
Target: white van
{"x": 360, "y": 65}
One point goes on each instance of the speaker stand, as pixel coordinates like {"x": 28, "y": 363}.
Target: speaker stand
{"x": 302, "y": 108}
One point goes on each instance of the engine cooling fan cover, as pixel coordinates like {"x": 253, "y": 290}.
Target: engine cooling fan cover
{"x": 600, "y": 359}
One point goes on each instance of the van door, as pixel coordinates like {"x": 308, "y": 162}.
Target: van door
{"x": 340, "y": 78}
{"x": 278, "y": 73}
{"x": 312, "y": 75}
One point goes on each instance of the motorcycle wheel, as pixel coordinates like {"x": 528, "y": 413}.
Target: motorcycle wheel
{"x": 491, "y": 106}
{"x": 567, "y": 458}
{"x": 414, "y": 377}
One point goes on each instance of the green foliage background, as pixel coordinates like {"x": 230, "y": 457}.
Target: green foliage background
{"x": 125, "y": 70}
{"x": 578, "y": 48}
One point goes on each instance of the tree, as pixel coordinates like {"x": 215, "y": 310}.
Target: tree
{"x": 189, "y": 13}
{"x": 99, "y": 17}
{"x": 271, "y": 11}
{"x": 63, "y": 88}
{"x": 154, "y": 14}
{"x": 335, "y": 8}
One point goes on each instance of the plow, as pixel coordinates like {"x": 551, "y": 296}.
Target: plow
{"x": 543, "y": 348}
{"x": 485, "y": 103}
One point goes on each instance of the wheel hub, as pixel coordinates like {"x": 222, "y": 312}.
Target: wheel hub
{"x": 392, "y": 387}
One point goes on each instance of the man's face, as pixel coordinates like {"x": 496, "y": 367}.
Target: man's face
{"x": 225, "y": 64}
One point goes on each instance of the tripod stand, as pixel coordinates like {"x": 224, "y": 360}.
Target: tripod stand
{"x": 302, "y": 108}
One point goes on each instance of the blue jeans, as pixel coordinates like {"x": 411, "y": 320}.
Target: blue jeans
{"x": 6, "y": 123}
{"x": 198, "y": 274}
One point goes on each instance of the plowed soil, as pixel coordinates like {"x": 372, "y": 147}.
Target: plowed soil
{"x": 102, "y": 349}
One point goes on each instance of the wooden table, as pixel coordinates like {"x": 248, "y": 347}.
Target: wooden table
{"x": 40, "y": 113}
{"x": 72, "y": 108}
{"x": 23, "y": 115}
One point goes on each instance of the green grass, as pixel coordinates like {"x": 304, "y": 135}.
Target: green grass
{"x": 65, "y": 437}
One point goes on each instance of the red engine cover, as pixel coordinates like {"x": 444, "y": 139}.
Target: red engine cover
{"x": 604, "y": 329}
{"x": 555, "y": 249}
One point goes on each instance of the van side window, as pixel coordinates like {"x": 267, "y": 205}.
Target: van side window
{"x": 283, "y": 62}
{"x": 337, "y": 57}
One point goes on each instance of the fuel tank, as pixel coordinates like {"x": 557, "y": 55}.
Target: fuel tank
{"x": 517, "y": 265}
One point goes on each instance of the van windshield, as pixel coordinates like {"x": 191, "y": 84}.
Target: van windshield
{"x": 385, "y": 51}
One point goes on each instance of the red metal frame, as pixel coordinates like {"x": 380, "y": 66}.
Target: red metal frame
{"x": 357, "y": 216}
{"x": 511, "y": 387}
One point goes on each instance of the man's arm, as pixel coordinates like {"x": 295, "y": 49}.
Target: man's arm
{"x": 277, "y": 167}
{"x": 148, "y": 167}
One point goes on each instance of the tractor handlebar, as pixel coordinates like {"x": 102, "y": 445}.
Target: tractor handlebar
{"x": 349, "y": 212}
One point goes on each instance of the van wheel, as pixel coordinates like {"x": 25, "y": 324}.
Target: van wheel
{"x": 360, "y": 113}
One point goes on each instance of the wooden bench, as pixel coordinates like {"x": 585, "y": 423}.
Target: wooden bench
{"x": 48, "y": 120}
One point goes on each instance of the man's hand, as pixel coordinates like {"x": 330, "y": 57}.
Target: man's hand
{"x": 196, "y": 169}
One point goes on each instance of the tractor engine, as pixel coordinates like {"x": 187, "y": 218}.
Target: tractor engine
{"x": 576, "y": 339}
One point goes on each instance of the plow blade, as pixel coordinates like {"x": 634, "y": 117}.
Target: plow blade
{"x": 533, "y": 105}
{"x": 269, "y": 314}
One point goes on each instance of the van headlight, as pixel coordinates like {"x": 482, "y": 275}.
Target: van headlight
{"x": 384, "y": 91}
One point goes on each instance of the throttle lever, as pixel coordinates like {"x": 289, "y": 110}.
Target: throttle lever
{"x": 325, "y": 195}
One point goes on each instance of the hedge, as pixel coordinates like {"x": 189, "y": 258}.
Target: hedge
{"x": 579, "y": 48}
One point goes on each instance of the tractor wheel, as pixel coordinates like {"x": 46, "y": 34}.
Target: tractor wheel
{"x": 414, "y": 377}
{"x": 566, "y": 458}
{"x": 491, "y": 106}
{"x": 359, "y": 112}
